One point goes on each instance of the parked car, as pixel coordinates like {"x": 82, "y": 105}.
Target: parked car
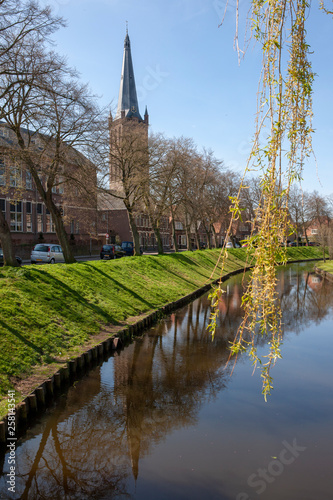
{"x": 313, "y": 244}
{"x": 112, "y": 252}
{"x": 128, "y": 247}
{"x": 19, "y": 260}
{"x": 230, "y": 245}
{"x": 47, "y": 253}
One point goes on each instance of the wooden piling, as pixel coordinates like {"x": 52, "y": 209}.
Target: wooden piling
{"x": 57, "y": 381}
{"x": 23, "y": 412}
{"x": 80, "y": 362}
{"x": 32, "y": 399}
{"x": 72, "y": 365}
{"x": 3, "y": 432}
{"x": 40, "y": 396}
{"x": 49, "y": 387}
{"x": 94, "y": 353}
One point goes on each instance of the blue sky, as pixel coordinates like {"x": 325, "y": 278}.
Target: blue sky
{"x": 187, "y": 71}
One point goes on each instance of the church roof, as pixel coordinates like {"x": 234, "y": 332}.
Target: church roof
{"x": 127, "y": 101}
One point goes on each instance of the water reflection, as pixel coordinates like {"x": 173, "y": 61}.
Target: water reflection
{"x": 91, "y": 444}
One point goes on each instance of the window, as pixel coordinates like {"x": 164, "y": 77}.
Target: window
{"x": 2, "y": 173}
{"x": 61, "y": 185}
{"x": 16, "y": 216}
{"x": 3, "y": 206}
{"x": 35, "y": 139}
{"x": 77, "y": 228}
{"x": 72, "y": 227}
{"x": 49, "y": 223}
{"x": 182, "y": 240}
{"x": 15, "y": 177}
{"x": 28, "y": 216}
{"x": 4, "y": 132}
{"x": 314, "y": 231}
{"x": 178, "y": 225}
{"x": 40, "y": 226}
{"x": 28, "y": 180}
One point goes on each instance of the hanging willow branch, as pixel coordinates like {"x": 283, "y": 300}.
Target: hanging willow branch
{"x": 282, "y": 142}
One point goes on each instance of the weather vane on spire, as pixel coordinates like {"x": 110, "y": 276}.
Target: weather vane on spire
{"x": 126, "y": 27}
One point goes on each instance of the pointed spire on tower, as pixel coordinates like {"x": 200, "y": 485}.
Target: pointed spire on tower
{"x": 146, "y": 116}
{"x": 127, "y": 102}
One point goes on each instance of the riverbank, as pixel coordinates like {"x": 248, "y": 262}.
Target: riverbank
{"x": 50, "y": 314}
{"x": 325, "y": 269}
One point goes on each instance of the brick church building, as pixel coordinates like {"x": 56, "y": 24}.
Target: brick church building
{"x": 128, "y": 133}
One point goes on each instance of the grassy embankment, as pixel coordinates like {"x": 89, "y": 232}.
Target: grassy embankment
{"x": 326, "y": 266}
{"x": 49, "y": 312}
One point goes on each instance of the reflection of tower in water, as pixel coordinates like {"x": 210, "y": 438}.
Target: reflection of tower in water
{"x": 163, "y": 378}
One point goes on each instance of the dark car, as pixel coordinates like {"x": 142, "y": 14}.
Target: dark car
{"x": 313, "y": 244}
{"x": 128, "y": 247}
{"x": 112, "y": 252}
{"x": 19, "y": 260}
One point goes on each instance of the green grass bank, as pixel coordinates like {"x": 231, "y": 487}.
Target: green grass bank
{"x": 326, "y": 266}
{"x": 48, "y": 313}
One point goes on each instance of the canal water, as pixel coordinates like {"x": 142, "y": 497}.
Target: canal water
{"x": 165, "y": 419}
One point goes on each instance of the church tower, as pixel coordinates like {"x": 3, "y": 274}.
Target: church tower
{"x": 127, "y": 122}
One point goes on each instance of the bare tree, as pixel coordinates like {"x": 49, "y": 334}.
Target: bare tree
{"x": 19, "y": 21}
{"x": 297, "y": 205}
{"x": 129, "y": 162}
{"x": 187, "y": 158}
{"x": 158, "y": 184}
{"x": 173, "y": 164}
{"x": 50, "y": 107}
{"x": 207, "y": 179}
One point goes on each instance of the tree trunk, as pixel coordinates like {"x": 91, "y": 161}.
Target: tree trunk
{"x": 208, "y": 238}
{"x": 134, "y": 229}
{"x": 197, "y": 240}
{"x": 174, "y": 235}
{"x": 188, "y": 239}
{"x": 6, "y": 243}
{"x": 158, "y": 238}
{"x": 214, "y": 235}
{"x": 59, "y": 227}
{"x": 61, "y": 234}
{"x": 188, "y": 234}
{"x": 306, "y": 236}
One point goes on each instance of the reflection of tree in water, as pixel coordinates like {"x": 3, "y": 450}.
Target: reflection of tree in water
{"x": 69, "y": 459}
{"x": 305, "y": 298}
{"x": 92, "y": 443}
{"x": 94, "y": 439}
